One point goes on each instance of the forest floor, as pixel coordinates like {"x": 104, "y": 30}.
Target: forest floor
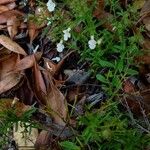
{"x": 75, "y": 75}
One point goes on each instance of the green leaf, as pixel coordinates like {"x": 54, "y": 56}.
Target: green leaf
{"x": 101, "y": 78}
{"x": 132, "y": 72}
{"x": 67, "y": 145}
{"x": 104, "y": 63}
{"x": 120, "y": 65}
{"x": 116, "y": 82}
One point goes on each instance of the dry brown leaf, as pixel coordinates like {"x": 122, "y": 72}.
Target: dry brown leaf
{"x": 50, "y": 65}
{"x": 8, "y": 79}
{"x": 145, "y": 59}
{"x": 11, "y": 6}
{"x": 55, "y": 101}
{"x": 49, "y": 95}
{"x": 11, "y": 45}
{"x": 6, "y": 15}
{"x": 33, "y": 30}
{"x": 8, "y": 63}
{"x": 6, "y": 1}
{"x": 12, "y": 26}
{"x": 146, "y": 44}
{"x": 53, "y": 68}
{"x": 146, "y": 8}
{"x": 39, "y": 85}
{"x": 3, "y": 52}
{"x": 128, "y": 87}
{"x": 146, "y": 22}
{"x": 3, "y": 8}
{"x": 9, "y": 82}
{"x": 7, "y": 7}
{"x": 43, "y": 140}
{"x": 27, "y": 62}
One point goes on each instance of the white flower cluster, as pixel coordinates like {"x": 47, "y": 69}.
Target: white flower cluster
{"x": 67, "y": 35}
{"x": 51, "y": 5}
{"x": 92, "y": 43}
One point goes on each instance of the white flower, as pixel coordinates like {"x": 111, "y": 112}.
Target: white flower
{"x": 60, "y": 46}
{"x": 67, "y": 34}
{"x": 56, "y": 59}
{"x": 92, "y": 43}
{"x": 51, "y": 5}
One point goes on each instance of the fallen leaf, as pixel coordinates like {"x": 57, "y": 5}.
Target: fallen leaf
{"x": 57, "y": 103}
{"x": 7, "y": 63}
{"x": 33, "y": 30}
{"x": 11, "y": 45}
{"x": 146, "y": 8}
{"x": 27, "y": 62}
{"x": 43, "y": 140}
{"x": 11, "y": 6}
{"x": 9, "y": 82}
{"x": 145, "y": 59}
{"x": 12, "y": 26}
{"x": 39, "y": 85}
{"x": 49, "y": 95}
{"x": 6, "y": 1}
{"x": 3, "y": 9}
{"x": 6, "y": 15}
{"x": 53, "y": 67}
{"x": 128, "y": 87}
{"x": 146, "y": 44}
{"x": 4, "y": 52}
{"x": 8, "y": 79}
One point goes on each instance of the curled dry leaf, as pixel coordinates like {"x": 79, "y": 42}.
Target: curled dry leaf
{"x": 55, "y": 101}
{"x": 54, "y": 68}
{"x": 11, "y": 45}
{"x": 7, "y": 64}
{"x": 43, "y": 140}
{"x": 33, "y": 30}
{"x": 146, "y": 44}
{"x": 7, "y": 7}
{"x": 8, "y": 79}
{"x": 4, "y": 52}
{"x": 11, "y": 6}
{"x": 12, "y": 26}
{"x": 6, "y": 15}
{"x": 39, "y": 85}
{"x": 3, "y": 9}
{"x": 6, "y": 1}
{"x": 9, "y": 82}
{"x": 145, "y": 15}
{"x": 49, "y": 95}
{"x": 128, "y": 87}
{"x": 27, "y": 62}
{"x": 145, "y": 59}
{"x": 146, "y": 8}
